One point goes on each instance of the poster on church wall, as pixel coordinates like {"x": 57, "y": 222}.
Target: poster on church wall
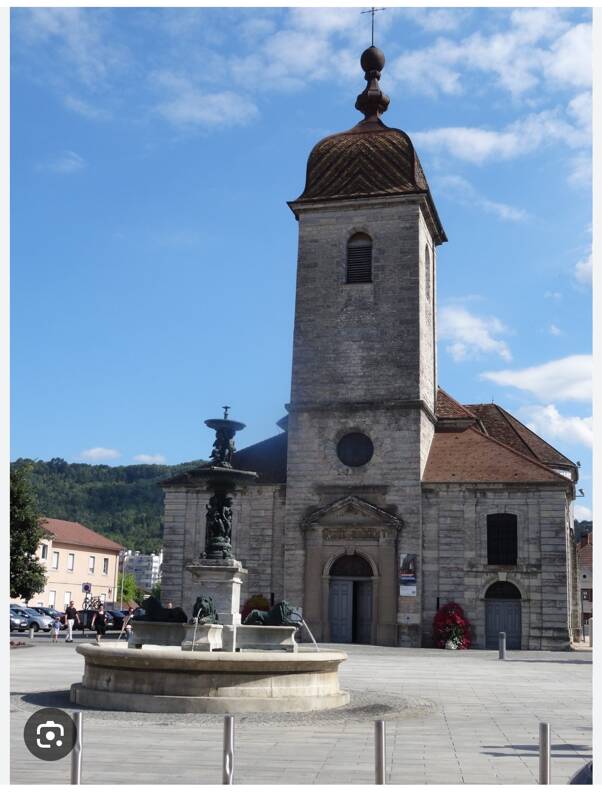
{"x": 407, "y": 575}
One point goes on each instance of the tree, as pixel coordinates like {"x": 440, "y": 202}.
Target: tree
{"x": 27, "y": 575}
{"x": 126, "y": 583}
{"x": 156, "y": 591}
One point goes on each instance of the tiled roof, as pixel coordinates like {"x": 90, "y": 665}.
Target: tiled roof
{"x": 369, "y": 160}
{"x": 267, "y": 458}
{"x": 500, "y": 424}
{"x": 469, "y": 456}
{"x": 449, "y": 408}
{"x": 584, "y": 554}
{"x": 65, "y": 532}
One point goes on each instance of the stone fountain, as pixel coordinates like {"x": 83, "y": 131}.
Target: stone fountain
{"x": 212, "y": 663}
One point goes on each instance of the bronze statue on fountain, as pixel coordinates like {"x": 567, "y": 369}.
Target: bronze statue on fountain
{"x": 222, "y": 479}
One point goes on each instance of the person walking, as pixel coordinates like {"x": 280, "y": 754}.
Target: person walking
{"x": 72, "y": 617}
{"x": 99, "y": 622}
{"x": 54, "y": 631}
{"x": 127, "y": 623}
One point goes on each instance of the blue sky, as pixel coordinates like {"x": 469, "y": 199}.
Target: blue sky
{"x": 153, "y": 254}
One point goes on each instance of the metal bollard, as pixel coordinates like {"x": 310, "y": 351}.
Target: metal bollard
{"x": 545, "y": 753}
{"x": 31, "y": 633}
{"x": 228, "y": 758}
{"x": 379, "y": 751}
{"x": 502, "y": 646}
{"x": 76, "y": 753}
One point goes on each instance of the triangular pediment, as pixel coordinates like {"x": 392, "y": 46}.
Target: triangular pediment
{"x": 352, "y": 511}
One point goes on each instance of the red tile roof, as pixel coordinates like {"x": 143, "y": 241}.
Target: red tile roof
{"x": 65, "y": 532}
{"x": 500, "y": 424}
{"x": 448, "y": 408}
{"x": 585, "y": 551}
{"x": 470, "y": 456}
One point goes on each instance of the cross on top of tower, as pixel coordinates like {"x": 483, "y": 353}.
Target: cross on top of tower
{"x": 373, "y": 11}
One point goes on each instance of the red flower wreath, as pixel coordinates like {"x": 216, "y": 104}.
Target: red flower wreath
{"x": 450, "y": 625}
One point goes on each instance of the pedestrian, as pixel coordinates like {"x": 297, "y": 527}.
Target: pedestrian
{"x": 71, "y": 617}
{"x": 54, "y": 631}
{"x": 127, "y": 622}
{"x": 99, "y": 622}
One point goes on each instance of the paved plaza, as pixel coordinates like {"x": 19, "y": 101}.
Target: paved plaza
{"x": 452, "y": 717}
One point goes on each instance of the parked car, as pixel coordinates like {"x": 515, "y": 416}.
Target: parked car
{"x": 87, "y": 615}
{"x": 118, "y": 618}
{"x": 51, "y": 612}
{"x": 36, "y": 621}
{"x": 17, "y": 621}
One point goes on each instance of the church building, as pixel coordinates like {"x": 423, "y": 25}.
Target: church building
{"x": 384, "y": 498}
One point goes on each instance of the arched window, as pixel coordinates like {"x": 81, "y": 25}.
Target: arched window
{"x": 427, "y": 272}
{"x": 359, "y": 259}
{"x": 501, "y": 539}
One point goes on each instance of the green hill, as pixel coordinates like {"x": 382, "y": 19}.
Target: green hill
{"x": 123, "y": 503}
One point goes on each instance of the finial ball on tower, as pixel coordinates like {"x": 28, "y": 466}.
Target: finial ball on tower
{"x": 372, "y": 60}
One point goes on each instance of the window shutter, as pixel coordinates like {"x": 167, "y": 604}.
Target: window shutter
{"x": 359, "y": 259}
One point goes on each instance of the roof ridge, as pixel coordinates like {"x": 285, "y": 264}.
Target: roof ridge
{"x": 511, "y": 418}
{"x": 505, "y": 414}
{"x": 533, "y": 461}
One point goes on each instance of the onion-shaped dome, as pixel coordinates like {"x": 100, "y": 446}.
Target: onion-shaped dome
{"x": 370, "y": 159}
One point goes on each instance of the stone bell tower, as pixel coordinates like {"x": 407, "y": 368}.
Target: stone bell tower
{"x": 362, "y": 410}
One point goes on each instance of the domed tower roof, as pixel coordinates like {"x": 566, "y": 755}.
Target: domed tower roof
{"x": 370, "y": 159}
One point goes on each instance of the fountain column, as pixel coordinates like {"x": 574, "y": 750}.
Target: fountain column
{"x": 216, "y": 573}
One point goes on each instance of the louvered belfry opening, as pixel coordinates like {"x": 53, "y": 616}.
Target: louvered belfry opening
{"x": 359, "y": 259}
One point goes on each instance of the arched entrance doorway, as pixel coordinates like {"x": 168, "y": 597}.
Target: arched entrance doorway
{"x": 503, "y": 613}
{"x": 350, "y": 600}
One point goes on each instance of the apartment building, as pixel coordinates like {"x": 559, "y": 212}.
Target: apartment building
{"x": 145, "y": 567}
{"x": 75, "y": 556}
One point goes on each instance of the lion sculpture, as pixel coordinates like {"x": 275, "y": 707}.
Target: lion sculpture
{"x": 155, "y": 612}
{"x": 204, "y": 612}
{"x": 280, "y": 614}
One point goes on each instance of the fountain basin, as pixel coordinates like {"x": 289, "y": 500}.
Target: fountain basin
{"x": 169, "y": 680}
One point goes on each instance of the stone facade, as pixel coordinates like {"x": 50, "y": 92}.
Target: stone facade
{"x": 364, "y": 362}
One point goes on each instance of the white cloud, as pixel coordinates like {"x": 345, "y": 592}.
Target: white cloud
{"x": 144, "y": 458}
{"x": 84, "y": 109}
{"x": 100, "y": 454}
{"x": 470, "y": 336}
{"x": 581, "y": 513}
{"x": 478, "y": 145}
{"x": 463, "y": 191}
{"x": 584, "y": 269}
{"x": 556, "y": 296}
{"x": 79, "y": 36}
{"x": 67, "y": 161}
{"x": 567, "y": 378}
{"x": 554, "y": 330}
{"x": 580, "y": 170}
{"x": 438, "y": 20}
{"x": 535, "y": 47}
{"x": 185, "y": 105}
{"x": 569, "y": 60}
{"x": 551, "y": 425}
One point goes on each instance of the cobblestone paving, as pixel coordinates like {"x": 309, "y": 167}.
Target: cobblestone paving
{"x": 452, "y": 717}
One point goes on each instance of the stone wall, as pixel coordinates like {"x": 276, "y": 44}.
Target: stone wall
{"x": 454, "y": 558}
{"x": 257, "y": 540}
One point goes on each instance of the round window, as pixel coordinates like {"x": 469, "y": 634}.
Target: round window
{"x": 355, "y": 449}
